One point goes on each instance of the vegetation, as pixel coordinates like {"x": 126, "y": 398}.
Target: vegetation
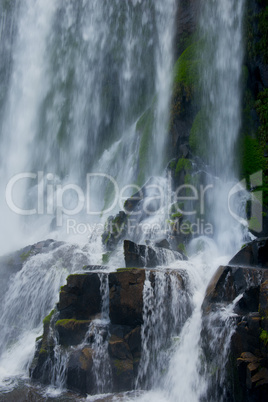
{"x": 198, "y": 139}
{"x": 262, "y": 47}
{"x": 264, "y": 337}
{"x": 25, "y": 256}
{"x": 186, "y": 78}
{"x": 183, "y": 165}
{"x": 144, "y": 128}
{"x": 47, "y": 319}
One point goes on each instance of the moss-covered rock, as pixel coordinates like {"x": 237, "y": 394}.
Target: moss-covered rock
{"x": 144, "y": 129}
{"x": 198, "y": 139}
{"x": 71, "y": 331}
{"x": 80, "y": 299}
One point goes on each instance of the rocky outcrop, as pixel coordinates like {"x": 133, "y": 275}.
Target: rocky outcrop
{"x": 186, "y": 22}
{"x": 99, "y": 354}
{"x": 137, "y": 255}
{"x": 80, "y": 298}
{"x": 254, "y": 254}
{"x": 243, "y": 290}
{"x": 13, "y": 262}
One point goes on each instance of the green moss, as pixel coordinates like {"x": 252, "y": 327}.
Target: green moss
{"x": 186, "y": 70}
{"x": 253, "y": 159}
{"x": 264, "y": 337}
{"x": 262, "y": 47}
{"x": 126, "y": 269}
{"x": 25, "y": 256}
{"x": 120, "y": 367}
{"x": 144, "y": 128}
{"x": 183, "y": 164}
{"x": 262, "y": 110}
{"x": 105, "y": 258}
{"x": 186, "y": 79}
{"x": 198, "y": 139}
{"x": 43, "y": 352}
{"x": 70, "y": 323}
{"x": 177, "y": 215}
{"x": 181, "y": 248}
{"x": 47, "y": 319}
{"x": 38, "y": 338}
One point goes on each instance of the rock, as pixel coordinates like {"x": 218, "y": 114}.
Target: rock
{"x": 80, "y": 299}
{"x": 138, "y": 256}
{"x": 119, "y": 349}
{"x": 148, "y": 191}
{"x": 162, "y": 244}
{"x": 126, "y": 296}
{"x": 123, "y": 375}
{"x": 187, "y": 18}
{"x": 77, "y": 326}
{"x": 71, "y": 332}
{"x": 80, "y": 376}
{"x": 247, "y": 364}
{"x": 133, "y": 340}
{"x": 253, "y": 254}
{"x": 115, "y": 230}
{"x": 13, "y": 262}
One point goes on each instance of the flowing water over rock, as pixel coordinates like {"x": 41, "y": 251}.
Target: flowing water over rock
{"x": 79, "y": 77}
{"x": 87, "y": 89}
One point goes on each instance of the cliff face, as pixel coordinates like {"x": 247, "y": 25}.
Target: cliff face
{"x": 187, "y": 121}
{"x": 103, "y": 334}
{"x": 236, "y": 347}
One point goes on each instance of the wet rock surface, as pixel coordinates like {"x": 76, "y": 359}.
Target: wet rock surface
{"x": 138, "y": 255}
{"x": 246, "y": 287}
{"x": 76, "y": 327}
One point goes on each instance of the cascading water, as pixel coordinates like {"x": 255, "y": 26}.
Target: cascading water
{"x": 87, "y": 89}
{"x": 221, "y": 59}
{"x": 82, "y": 74}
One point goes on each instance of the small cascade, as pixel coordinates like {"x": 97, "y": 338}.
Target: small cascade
{"x": 217, "y": 331}
{"x": 29, "y": 296}
{"x": 221, "y": 53}
{"x": 80, "y": 73}
{"x": 98, "y": 332}
{"x": 166, "y": 306}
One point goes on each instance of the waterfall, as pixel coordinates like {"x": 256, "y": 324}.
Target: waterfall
{"x": 221, "y": 53}
{"x": 86, "y": 90}
{"x": 81, "y": 76}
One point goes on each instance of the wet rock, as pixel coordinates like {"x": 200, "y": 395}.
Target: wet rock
{"x": 133, "y": 340}
{"x": 123, "y": 374}
{"x": 77, "y": 329}
{"x": 126, "y": 296}
{"x": 71, "y": 332}
{"x": 80, "y": 299}
{"x": 148, "y": 190}
{"x": 13, "y": 262}
{"x": 138, "y": 256}
{"x": 80, "y": 376}
{"x": 254, "y": 254}
{"x": 187, "y": 17}
{"x": 115, "y": 230}
{"x": 163, "y": 244}
{"x": 118, "y": 348}
{"x": 247, "y": 289}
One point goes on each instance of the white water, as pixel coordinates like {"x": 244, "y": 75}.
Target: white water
{"x": 66, "y": 88}
{"x": 222, "y": 57}
{"x": 82, "y": 74}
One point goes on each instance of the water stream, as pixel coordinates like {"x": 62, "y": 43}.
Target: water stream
{"x": 86, "y": 88}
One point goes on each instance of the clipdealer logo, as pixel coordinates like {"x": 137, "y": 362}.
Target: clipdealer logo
{"x": 255, "y": 201}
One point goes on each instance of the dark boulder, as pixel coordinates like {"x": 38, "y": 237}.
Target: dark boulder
{"x": 80, "y": 299}
{"x": 254, "y": 254}
{"x": 138, "y": 255}
{"x": 126, "y": 296}
{"x": 245, "y": 289}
